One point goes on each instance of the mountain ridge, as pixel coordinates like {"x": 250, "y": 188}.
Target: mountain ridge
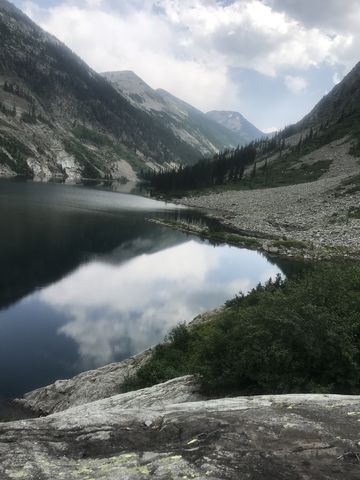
{"x": 341, "y": 102}
{"x": 187, "y": 122}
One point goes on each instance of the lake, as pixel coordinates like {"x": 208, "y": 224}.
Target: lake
{"x": 86, "y": 279}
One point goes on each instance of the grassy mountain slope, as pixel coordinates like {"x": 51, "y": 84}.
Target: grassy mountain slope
{"x": 59, "y": 117}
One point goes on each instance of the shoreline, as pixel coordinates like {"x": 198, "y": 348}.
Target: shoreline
{"x": 316, "y": 220}
{"x": 274, "y": 247}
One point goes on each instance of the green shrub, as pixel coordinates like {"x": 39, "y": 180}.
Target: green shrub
{"x": 354, "y": 212}
{"x": 290, "y": 244}
{"x": 297, "y": 335}
{"x": 86, "y": 134}
{"x": 28, "y": 118}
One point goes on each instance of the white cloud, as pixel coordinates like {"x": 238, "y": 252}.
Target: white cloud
{"x": 295, "y": 84}
{"x": 336, "y": 78}
{"x": 270, "y": 129}
{"x": 142, "y": 41}
{"x": 189, "y": 46}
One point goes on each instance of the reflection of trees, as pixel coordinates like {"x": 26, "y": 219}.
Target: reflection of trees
{"x": 289, "y": 266}
{"x": 39, "y": 245}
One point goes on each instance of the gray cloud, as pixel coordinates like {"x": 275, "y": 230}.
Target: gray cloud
{"x": 336, "y": 15}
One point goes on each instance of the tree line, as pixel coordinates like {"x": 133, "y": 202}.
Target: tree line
{"x": 15, "y": 89}
{"x": 228, "y": 167}
{"x": 225, "y": 167}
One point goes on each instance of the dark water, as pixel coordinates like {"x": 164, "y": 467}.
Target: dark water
{"x": 85, "y": 280}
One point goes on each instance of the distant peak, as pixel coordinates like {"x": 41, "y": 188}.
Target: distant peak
{"x": 228, "y": 113}
{"x": 236, "y": 122}
{"x": 121, "y": 74}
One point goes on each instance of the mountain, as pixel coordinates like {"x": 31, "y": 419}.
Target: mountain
{"x": 58, "y": 117}
{"x": 186, "y": 122}
{"x": 136, "y": 91}
{"x": 342, "y": 102}
{"x": 324, "y": 145}
{"x": 237, "y": 123}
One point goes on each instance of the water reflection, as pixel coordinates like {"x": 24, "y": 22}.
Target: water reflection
{"x": 114, "y": 311}
{"x": 86, "y": 280}
{"x": 48, "y": 230}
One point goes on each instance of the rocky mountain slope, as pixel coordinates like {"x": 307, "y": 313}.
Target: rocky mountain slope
{"x": 186, "y": 122}
{"x": 341, "y": 103}
{"x": 237, "y": 123}
{"x": 60, "y": 118}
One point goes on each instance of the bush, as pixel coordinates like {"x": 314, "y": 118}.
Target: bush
{"x": 298, "y": 335}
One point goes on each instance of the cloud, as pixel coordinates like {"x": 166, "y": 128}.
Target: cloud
{"x": 336, "y": 78}
{"x": 295, "y": 84}
{"x": 138, "y": 302}
{"x": 270, "y": 129}
{"x": 333, "y": 18}
{"x": 142, "y": 40}
{"x": 189, "y": 46}
{"x": 333, "y": 15}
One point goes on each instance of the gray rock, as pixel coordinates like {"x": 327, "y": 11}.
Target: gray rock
{"x": 84, "y": 388}
{"x": 153, "y": 433}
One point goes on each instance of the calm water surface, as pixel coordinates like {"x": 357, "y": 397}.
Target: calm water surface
{"x": 86, "y": 280}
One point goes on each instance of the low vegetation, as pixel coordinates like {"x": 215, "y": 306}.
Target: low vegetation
{"x": 295, "y": 335}
{"x": 91, "y": 136}
{"x": 90, "y": 162}
{"x": 290, "y": 244}
{"x": 14, "y": 154}
{"x": 97, "y": 139}
{"x": 350, "y": 186}
{"x": 354, "y": 212}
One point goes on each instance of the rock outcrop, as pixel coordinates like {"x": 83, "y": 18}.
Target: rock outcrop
{"x": 168, "y": 432}
{"x": 86, "y": 387}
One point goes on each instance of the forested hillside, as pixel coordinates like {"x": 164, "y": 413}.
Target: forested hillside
{"x": 59, "y": 117}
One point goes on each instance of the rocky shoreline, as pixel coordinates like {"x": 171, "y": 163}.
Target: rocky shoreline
{"x": 315, "y": 220}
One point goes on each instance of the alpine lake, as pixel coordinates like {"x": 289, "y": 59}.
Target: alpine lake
{"x": 86, "y": 279}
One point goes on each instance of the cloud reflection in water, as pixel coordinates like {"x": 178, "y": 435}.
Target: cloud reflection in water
{"x": 115, "y": 310}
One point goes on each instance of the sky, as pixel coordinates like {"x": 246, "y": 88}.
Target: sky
{"x": 271, "y": 60}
